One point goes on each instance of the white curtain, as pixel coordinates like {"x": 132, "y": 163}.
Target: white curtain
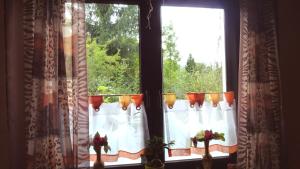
{"x": 126, "y": 130}
{"x": 183, "y": 122}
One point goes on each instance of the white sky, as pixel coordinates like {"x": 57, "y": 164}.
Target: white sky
{"x": 198, "y": 31}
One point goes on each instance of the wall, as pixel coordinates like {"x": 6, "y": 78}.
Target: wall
{"x": 289, "y": 54}
{"x": 4, "y": 143}
{"x": 12, "y": 144}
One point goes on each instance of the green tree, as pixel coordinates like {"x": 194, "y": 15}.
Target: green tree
{"x": 171, "y": 67}
{"x": 190, "y": 64}
{"x": 112, "y": 48}
{"x": 113, "y": 55}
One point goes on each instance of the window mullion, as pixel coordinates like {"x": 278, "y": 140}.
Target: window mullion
{"x": 151, "y": 66}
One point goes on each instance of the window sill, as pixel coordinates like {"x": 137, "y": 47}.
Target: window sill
{"x": 219, "y": 162}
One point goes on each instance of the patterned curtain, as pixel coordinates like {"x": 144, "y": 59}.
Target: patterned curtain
{"x": 259, "y": 87}
{"x": 56, "y": 97}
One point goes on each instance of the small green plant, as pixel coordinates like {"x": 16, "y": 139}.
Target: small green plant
{"x": 154, "y": 149}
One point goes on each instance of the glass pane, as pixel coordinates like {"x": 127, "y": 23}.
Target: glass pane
{"x": 112, "y": 44}
{"x": 193, "y": 49}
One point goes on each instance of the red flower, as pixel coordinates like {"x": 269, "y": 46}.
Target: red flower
{"x": 208, "y": 135}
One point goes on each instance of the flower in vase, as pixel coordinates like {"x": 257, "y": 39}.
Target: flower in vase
{"x": 98, "y": 142}
{"x": 207, "y": 135}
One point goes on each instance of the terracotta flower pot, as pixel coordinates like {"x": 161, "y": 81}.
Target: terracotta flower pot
{"x": 200, "y": 98}
{"x": 137, "y": 99}
{"x": 192, "y": 98}
{"x": 124, "y": 101}
{"x": 215, "y": 98}
{"x": 96, "y": 102}
{"x": 170, "y": 99}
{"x": 229, "y": 97}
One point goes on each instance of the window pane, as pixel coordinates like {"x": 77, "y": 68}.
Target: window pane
{"x": 112, "y": 48}
{"x": 194, "y": 62}
{"x": 193, "y": 50}
{"x": 112, "y": 44}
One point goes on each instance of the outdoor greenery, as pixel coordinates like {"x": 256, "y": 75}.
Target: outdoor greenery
{"x": 113, "y": 56}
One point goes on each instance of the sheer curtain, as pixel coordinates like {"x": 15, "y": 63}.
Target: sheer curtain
{"x": 56, "y": 97}
{"x": 126, "y": 130}
{"x": 259, "y": 87}
{"x": 184, "y": 121}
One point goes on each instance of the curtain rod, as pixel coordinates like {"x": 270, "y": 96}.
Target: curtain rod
{"x": 162, "y": 94}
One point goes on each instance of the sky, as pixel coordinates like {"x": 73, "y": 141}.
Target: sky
{"x": 199, "y": 31}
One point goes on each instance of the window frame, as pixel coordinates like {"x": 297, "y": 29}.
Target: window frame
{"x": 151, "y": 75}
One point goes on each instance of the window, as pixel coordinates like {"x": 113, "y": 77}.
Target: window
{"x": 112, "y": 46}
{"x": 136, "y": 58}
{"x": 194, "y": 62}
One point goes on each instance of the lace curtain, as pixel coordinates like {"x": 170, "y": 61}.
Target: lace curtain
{"x": 56, "y": 97}
{"x": 126, "y": 130}
{"x": 184, "y": 121}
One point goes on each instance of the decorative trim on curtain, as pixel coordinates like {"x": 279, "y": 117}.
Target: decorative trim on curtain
{"x": 56, "y": 97}
{"x": 259, "y": 107}
{"x": 114, "y": 157}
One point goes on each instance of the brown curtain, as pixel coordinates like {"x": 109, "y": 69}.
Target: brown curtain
{"x": 259, "y": 87}
{"x": 56, "y": 97}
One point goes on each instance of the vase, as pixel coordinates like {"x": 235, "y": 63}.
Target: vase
{"x": 207, "y": 158}
{"x": 98, "y": 164}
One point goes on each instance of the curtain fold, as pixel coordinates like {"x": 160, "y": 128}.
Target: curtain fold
{"x": 259, "y": 87}
{"x": 56, "y": 97}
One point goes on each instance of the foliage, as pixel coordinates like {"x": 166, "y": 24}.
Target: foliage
{"x": 112, "y": 49}
{"x": 113, "y": 56}
{"x": 98, "y": 142}
{"x": 207, "y": 135}
{"x": 190, "y": 66}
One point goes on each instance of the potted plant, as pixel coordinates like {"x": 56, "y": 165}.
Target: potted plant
{"x": 155, "y": 149}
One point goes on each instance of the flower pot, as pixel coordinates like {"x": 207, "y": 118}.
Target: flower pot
{"x": 137, "y": 99}
{"x": 170, "y": 99}
{"x": 215, "y": 97}
{"x": 192, "y": 98}
{"x": 124, "y": 101}
{"x": 229, "y": 97}
{"x": 200, "y": 98}
{"x": 96, "y": 102}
